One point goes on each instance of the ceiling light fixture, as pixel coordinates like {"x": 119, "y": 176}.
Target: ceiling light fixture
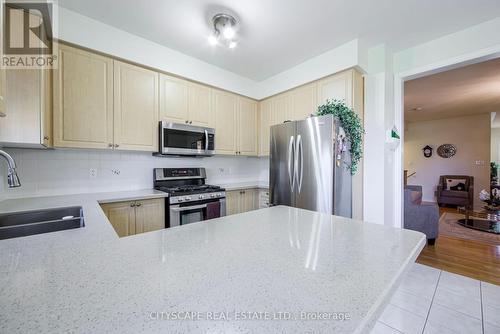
{"x": 224, "y": 26}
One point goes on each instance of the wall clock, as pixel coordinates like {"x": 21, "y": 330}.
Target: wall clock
{"x": 446, "y": 150}
{"x": 427, "y": 151}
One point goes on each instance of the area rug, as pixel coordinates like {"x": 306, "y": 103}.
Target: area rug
{"x": 449, "y": 226}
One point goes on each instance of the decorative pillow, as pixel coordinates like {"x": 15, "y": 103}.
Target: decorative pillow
{"x": 416, "y": 197}
{"x": 454, "y": 182}
{"x": 460, "y": 187}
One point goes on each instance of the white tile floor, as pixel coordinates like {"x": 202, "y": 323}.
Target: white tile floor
{"x": 432, "y": 301}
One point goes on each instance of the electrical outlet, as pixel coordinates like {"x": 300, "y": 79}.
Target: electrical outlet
{"x": 92, "y": 173}
{"x": 115, "y": 172}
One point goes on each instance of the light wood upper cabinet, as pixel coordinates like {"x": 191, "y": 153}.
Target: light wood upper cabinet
{"x": 265, "y": 111}
{"x": 303, "y": 102}
{"x": 83, "y": 99}
{"x": 336, "y": 87}
{"x": 173, "y": 99}
{"x": 135, "y": 108}
{"x": 247, "y": 127}
{"x": 121, "y": 215}
{"x": 149, "y": 215}
{"x": 225, "y": 106}
{"x": 280, "y": 109}
{"x": 186, "y": 102}
{"x": 133, "y": 217}
{"x": 199, "y": 102}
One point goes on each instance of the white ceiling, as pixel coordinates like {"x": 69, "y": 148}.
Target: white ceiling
{"x": 279, "y": 34}
{"x": 469, "y": 90}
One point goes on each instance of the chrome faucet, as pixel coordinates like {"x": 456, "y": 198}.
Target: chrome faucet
{"x": 12, "y": 178}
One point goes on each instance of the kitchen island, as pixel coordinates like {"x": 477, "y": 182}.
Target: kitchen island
{"x": 276, "y": 270}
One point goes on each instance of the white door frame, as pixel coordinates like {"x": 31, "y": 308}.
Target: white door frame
{"x": 399, "y": 80}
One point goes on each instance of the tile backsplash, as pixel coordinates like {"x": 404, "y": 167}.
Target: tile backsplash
{"x": 64, "y": 171}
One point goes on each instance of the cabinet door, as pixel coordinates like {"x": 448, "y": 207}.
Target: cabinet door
{"x": 336, "y": 87}
{"x": 173, "y": 99}
{"x": 199, "y": 103}
{"x": 149, "y": 215}
{"x": 248, "y": 200}
{"x": 303, "y": 102}
{"x": 83, "y": 99}
{"x": 122, "y": 216}
{"x": 136, "y": 108}
{"x": 265, "y": 113}
{"x": 247, "y": 127}
{"x": 280, "y": 109}
{"x": 225, "y": 110}
{"x": 233, "y": 202}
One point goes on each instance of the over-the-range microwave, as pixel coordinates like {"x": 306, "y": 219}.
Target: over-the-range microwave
{"x": 185, "y": 139}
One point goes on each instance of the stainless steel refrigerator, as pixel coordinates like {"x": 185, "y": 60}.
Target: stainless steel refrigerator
{"x": 309, "y": 166}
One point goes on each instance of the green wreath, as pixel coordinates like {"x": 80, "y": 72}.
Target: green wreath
{"x": 352, "y": 125}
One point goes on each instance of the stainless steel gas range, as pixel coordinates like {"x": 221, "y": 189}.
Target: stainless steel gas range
{"x": 189, "y": 199}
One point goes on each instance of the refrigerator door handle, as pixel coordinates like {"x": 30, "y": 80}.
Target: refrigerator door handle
{"x": 291, "y": 175}
{"x": 301, "y": 169}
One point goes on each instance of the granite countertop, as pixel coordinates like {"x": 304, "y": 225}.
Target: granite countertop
{"x": 272, "y": 260}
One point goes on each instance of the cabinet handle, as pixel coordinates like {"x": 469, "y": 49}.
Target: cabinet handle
{"x": 138, "y": 204}
{"x": 46, "y": 138}
{"x": 190, "y": 122}
{"x": 110, "y": 145}
{"x": 133, "y": 204}
{"x": 187, "y": 122}
{"x": 116, "y": 145}
{"x": 2, "y": 114}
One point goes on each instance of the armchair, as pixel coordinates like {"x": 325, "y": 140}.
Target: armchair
{"x": 421, "y": 217}
{"x": 456, "y": 197}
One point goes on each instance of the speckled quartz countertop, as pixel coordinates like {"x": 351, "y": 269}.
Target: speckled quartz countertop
{"x": 267, "y": 265}
{"x": 244, "y": 185}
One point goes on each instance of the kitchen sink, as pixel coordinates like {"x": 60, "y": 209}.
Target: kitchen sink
{"x": 24, "y": 223}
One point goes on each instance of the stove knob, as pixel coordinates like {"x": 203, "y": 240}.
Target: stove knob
{"x": 180, "y": 199}
{"x": 212, "y": 195}
{"x": 200, "y": 197}
{"x": 187, "y": 198}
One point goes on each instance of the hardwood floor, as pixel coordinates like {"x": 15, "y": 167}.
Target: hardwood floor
{"x": 464, "y": 257}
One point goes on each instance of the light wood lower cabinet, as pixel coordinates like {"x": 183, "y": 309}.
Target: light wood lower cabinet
{"x": 239, "y": 201}
{"x": 133, "y": 217}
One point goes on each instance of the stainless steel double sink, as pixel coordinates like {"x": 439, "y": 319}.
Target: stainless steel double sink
{"x": 20, "y": 224}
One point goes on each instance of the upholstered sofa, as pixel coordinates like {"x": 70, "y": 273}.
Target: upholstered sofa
{"x": 420, "y": 216}
{"x": 454, "y": 196}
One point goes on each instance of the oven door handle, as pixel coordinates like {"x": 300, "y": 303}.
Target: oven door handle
{"x": 184, "y": 208}
{"x": 206, "y": 140}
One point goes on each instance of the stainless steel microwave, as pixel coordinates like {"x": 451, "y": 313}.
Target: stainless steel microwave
{"x": 185, "y": 139}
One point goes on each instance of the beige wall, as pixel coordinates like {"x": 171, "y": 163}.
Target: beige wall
{"x": 495, "y": 144}
{"x": 470, "y": 134}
